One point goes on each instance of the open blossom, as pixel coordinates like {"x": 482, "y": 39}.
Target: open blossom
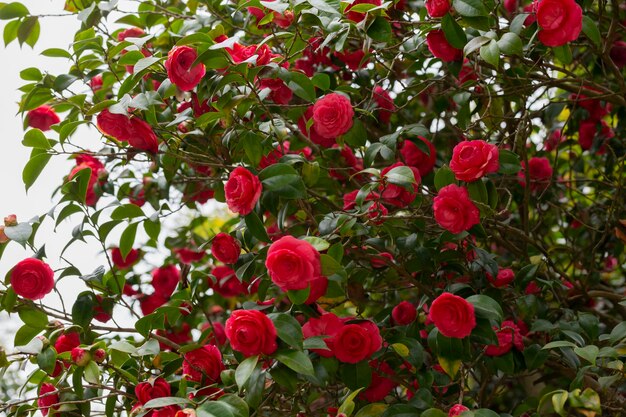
{"x": 560, "y": 21}
{"x": 473, "y": 159}
{"x": 32, "y": 279}
{"x": 509, "y": 336}
{"x": 242, "y": 191}
{"x": 251, "y": 332}
{"x": 454, "y": 211}
{"x": 292, "y": 263}
{"x": 439, "y": 46}
{"x": 180, "y": 68}
{"x": 42, "y": 118}
{"x": 452, "y": 315}
{"x": 332, "y": 115}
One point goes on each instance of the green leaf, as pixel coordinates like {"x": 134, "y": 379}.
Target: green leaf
{"x": 127, "y": 240}
{"x": 474, "y": 44}
{"x": 215, "y": 409}
{"x": 127, "y": 211}
{"x": 10, "y": 31}
{"x": 491, "y": 53}
{"x": 486, "y": 307}
{"x": 288, "y": 329}
{"x": 238, "y": 406}
{"x": 406, "y": 410}
{"x": 509, "y": 162}
{"x": 28, "y": 32}
{"x": 33, "y": 347}
{"x": 372, "y": 410}
{"x": 356, "y": 375}
{"x": 380, "y": 29}
{"x": 318, "y": 243}
{"x": 34, "y": 318}
{"x": 34, "y": 167}
{"x": 328, "y": 6}
{"x": 563, "y": 54}
{"x": 590, "y": 28}
{"x": 34, "y": 138}
{"x": 559, "y": 344}
{"x": 92, "y": 373}
{"x": 478, "y": 191}
{"x": 296, "y": 360}
{"x": 444, "y": 176}
{"x": 165, "y": 401}
{"x": 299, "y": 83}
{"x": 511, "y": 44}
{"x": 46, "y": 360}
{"x": 299, "y": 296}
{"x": 13, "y": 10}
{"x": 284, "y": 180}
{"x": 57, "y": 53}
{"x": 83, "y": 309}
{"x": 256, "y": 228}
{"x": 402, "y": 176}
{"x": 471, "y": 8}
{"x": 589, "y": 353}
{"x": 329, "y": 265}
{"x": 244, "y": 370}
{"x": 453, "y": 31}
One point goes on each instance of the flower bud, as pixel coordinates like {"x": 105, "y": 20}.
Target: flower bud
{"x": 99, "y": 355}
{"x": 186, "y": 412}
{"x": 10, "y": 220}
{"x": 3, "y": 237}
{"x": 80, "y": 356}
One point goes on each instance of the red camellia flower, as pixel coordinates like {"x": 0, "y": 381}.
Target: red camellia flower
{"x": 587, "y": 132}
{"x": 357, "y": 341}
{"x": 67, "y": 342}
{"x": 618, "y": 54}
{"x": 292, "y": 264}
{"x": 142, "y": 136}
{"x": 251, "y": 333}
{"x": 380, "y": 386}
{"x": 179, "y": 70}
{"x": 280, "y": 93}
{"x": 48, "y": 398}
{"x": 165, "y": 279}
{"x": 509, "y": 336}
{"x": 227, "y": 285}
{"x": 240, "y": 53}
{"x": 203, "y": 365}
{"x": 437, "y": 8}
{"x": 332, "y": 115}
{"x": 311, "y": 132}
{"x": 505, "y": 277}
{"x": 124, "y": 263}
{"x": 473, "y": 159}
{"x": 354, "y": 60}
{"x": 439, "y": 46}
{"x": 42, "y": 118}
{"x": 397, "y": 195}
{"x": 404, "y": 313}
{"x": 381, "y": 260}
{"x": 242, "y": 191}
{"x": 225, "y": 248}
{"x": 454, "y": 211}
{"x": 359, "y": 16}
{"x": 452, "y": 315}
{"x": 413, "y": 156}
{"x": 96, "y": 83}
{"x": 146, "y": 391}
{"x": 539, "y": 173}
{"x": 32, "y": 279}
{"x": 187, "y": 256}
{"x": 457, "y": 410}
{"x": 560, "y": 21}
{"x": 385, "y": 104}
{"x": 554, "y": 140}
{"x": 115, "y": 125}
{"x": 84, "y": 161}
{"x": 80, "y": 356}
{"x": 130, "y": 33}
{"x": 327, "y": 324}
{"x": 149, "y": 303}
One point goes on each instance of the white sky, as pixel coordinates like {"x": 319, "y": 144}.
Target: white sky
{"x": 56, "y": 32}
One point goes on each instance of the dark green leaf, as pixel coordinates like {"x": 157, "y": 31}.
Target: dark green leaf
{"x": 453, "y": 32}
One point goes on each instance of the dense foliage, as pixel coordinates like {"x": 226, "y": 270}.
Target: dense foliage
{"x": 426, "y": 210}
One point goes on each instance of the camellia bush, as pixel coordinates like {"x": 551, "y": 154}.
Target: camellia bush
{"x": 426, "y": 207}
